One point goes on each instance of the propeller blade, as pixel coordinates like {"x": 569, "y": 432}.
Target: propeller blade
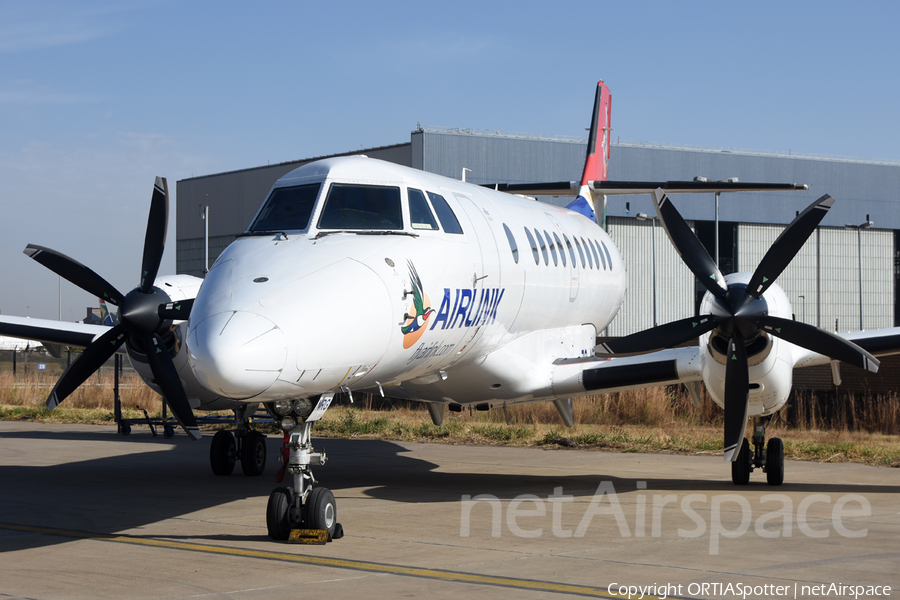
{"x": 85, "y": 365}
{"x": 73, "y": 271}
{"x": 788, "y": 244}
{"x": 737, "y": 396}
{"x": 656, "y": 338}
{"x": 155, "y": 239}
{"x": 689, "y": 247}
{"x": 176, "y": 310}
{"x": 166, "y": 377}
{"x": 819, "y": 340}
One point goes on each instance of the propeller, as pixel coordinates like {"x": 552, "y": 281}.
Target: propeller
{"x": 144, "y": 313}
{"x": 739, "y": 312}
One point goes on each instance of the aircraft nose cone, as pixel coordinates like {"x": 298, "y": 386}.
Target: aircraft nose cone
{"x": 237, "y": 354}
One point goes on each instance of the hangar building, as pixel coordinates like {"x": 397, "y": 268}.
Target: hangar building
{"x": 827, "y": 283}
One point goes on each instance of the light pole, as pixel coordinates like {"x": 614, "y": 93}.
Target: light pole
{"x": 646, "y": 217}
{"x": 704, "y": 180}
{"x": 865, "y": 225}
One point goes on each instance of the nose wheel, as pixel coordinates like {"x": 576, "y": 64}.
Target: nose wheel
{"x": 303, "y": 505}
{"x": 769, "y": 458}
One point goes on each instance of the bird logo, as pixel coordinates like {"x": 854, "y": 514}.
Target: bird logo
{"x": 419, "y": 313}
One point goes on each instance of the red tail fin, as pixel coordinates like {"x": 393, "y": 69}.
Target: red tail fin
{"x": 596, "y": 163}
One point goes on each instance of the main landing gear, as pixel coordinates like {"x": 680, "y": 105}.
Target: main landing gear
{"x": 303, "y": 505}
{"x": 245, "y": 445}
{"x": 770, "y": 460}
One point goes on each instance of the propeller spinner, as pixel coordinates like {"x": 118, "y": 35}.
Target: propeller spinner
{"x": 144, "y": 313}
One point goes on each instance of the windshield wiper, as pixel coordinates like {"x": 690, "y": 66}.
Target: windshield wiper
{"x": 322, "y": 234}
{"x": 262, "y": 232}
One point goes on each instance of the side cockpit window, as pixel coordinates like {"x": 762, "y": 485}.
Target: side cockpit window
{"x": 420, "y": 216}
{"x": 351, "y": 206}
{"x": 445, "y": 214}
{"x": 287, "y": 208}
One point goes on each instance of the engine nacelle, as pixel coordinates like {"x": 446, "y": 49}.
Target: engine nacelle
{"x": 769, "y": 358}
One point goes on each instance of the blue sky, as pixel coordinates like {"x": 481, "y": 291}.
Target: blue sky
{"x": 97, "y": 98}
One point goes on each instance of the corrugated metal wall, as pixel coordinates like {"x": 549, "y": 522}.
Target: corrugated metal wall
{"x": 836, "y": 251}
{"x": 675, "y": 282}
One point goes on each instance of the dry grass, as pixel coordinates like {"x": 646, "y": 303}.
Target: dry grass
{"x": 814, "y": 427}
{"x": 96, "y": 393}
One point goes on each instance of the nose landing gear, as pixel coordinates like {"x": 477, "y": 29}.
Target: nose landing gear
{"x": 768, "y": 458}
{"x": 304, "y": 505}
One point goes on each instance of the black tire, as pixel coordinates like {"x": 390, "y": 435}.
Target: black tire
{"x": 126, "y": 429}
{"x": 222, "y": 453}
{"x": 320, "y": 511}
{"x": 775, "y": 462}
{"x": 168, "y": 432}
{"x": 253, "y": 453}
{"x": 278, "y": 513}
{"x": 740, "y": 469}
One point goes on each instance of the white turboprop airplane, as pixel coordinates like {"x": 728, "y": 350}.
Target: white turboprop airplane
{"x": 362, "y": 275}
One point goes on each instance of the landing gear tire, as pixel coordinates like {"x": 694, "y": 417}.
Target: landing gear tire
{"x": 320, "y": 510}
{"x": 253, "y": 453}
{"x": 278, "y": 513}
{"x": 740, "y": 469}
{"x": 222, "y": 453}
{"x": 775, "y": 462}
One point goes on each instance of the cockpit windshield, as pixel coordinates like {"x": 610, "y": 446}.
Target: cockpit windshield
{"x": 287, "y": 208}
{"x": 351, "y": 206}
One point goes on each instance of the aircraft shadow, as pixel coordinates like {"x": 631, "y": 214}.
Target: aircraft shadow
{"x": 127, "y": 492}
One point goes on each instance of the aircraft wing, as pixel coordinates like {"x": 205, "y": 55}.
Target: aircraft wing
{"x": 51, "y": 332}
{"x": 614, "y": 188}
{"x": 878, "y": 342}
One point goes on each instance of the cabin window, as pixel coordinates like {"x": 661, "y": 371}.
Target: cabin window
{"x": 361, "y": 207}
{"x": 608, "y": 257}
{"x": 580, "y": 253}
{"x": 420, "y": 216}
{"x": 534, "y": 250}
{"x": 445, "y": 213}
{"x": 552, "y": 248}
{"x": 570, "y": 249}
{"x": 598, "y": 253}
{"x": 587, "y": 251}
{"x": 512, "y": 243}
{"x": 287, "y": 208}
{"x": 562, "y": 251}
{"x": 543, "y": 247}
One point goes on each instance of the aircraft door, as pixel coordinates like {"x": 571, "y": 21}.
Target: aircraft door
{"x": 486, "y": 277}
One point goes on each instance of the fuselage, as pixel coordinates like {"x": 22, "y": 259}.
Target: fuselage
{"x": 391, "y": 275}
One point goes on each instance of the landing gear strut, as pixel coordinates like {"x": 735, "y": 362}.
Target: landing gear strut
{"x": 768, "y": 458}
{"x": 304, "y": 505}
{"x": 244, "y": 444}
